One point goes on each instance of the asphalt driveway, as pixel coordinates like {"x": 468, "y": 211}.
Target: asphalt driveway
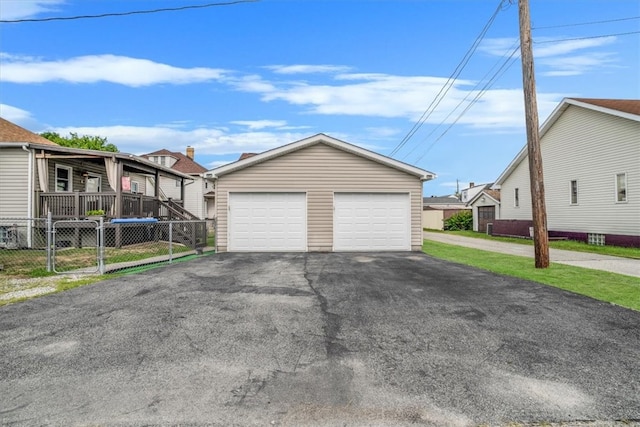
{"x": 317, "y": 339}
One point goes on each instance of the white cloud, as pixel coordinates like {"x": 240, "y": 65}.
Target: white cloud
{"x": 260, "y": 124}
{"x": 307, "y": 69}
{"x": 21, "y": 9}
{"x": 210, "y": 141}
{"x": 102, "y": 68}
{"x": 15, "y": 115}
{"x": 559, "y": 58}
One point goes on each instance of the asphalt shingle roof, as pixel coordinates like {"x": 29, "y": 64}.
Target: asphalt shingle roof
{"x": 11, "y": 132}
{"x": 183, "y": 163}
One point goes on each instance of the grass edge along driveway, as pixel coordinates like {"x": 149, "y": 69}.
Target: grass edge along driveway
{"x": 601, "y": 285}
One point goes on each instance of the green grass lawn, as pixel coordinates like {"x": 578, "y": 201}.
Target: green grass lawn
{"x": 569, "y": 245}
{"x": 601, "y": 285}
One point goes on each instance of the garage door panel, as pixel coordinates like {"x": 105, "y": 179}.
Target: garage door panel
{"x": 372, "y": 221}
{"x": 267, "y": 222}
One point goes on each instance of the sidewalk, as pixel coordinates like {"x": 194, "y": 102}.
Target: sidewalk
{"x": 629, "y": 267}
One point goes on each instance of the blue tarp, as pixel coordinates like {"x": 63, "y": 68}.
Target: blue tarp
{"x": 133, "y": 220}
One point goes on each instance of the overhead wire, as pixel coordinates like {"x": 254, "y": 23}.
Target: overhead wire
{"x": 135, "y": 12}
{"x": 449, "y": 83}
{"x": 513, "y": 48}
{"x": 505, "y": 66}
{"x": 498, "y": 74}
{"x": 586, "y": 23}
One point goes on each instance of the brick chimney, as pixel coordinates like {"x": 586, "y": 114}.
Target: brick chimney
{"x": 471, "y": 184}
{"x": 190, "y": 152}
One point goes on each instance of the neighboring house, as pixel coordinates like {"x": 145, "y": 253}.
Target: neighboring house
{"x": 437, "y": 209}
{"x": 485, "y": 206}
{"x": 472, "y": 191}
{"x": 198, "y": 193}
{"x": 318, "y": 194}
{"x": 591, "y": 164}
{"x": 38, "y": 176}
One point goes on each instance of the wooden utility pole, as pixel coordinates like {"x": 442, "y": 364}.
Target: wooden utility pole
{"x": 538, "y": 208}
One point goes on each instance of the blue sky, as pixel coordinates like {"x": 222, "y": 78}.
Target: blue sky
{"x": 253, "y": 76}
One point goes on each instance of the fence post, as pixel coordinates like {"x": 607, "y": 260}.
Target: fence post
{"x": 49, "y": 241}
{"x": 170, "y": 242}
{"x": 101, "y": 266}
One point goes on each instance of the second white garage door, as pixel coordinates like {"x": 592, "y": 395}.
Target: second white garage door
{"x": 372, "y": 221}
{"x": 267, "y": 222}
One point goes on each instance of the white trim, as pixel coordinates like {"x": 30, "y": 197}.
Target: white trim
{"x": 571, "y": 202}
{"x": 317, "y": 139}
{"x": 55, "y": 178}
{"x": 626, "y": 188}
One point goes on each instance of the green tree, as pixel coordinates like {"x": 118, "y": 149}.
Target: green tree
{"x": 85, "y": 141}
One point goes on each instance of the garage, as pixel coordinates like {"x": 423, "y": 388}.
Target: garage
{"x": 267, "y": 222}
{"x": 372, "y": 221}
{"x": 318, "y": 194}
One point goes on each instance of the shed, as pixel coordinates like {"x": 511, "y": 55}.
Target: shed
{"x": 318, "y": 194}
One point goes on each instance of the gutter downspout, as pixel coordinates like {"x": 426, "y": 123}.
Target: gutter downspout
{"x": 29, "y": 194}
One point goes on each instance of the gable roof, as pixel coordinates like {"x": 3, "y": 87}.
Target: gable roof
{"x": 320, "y": 139}
{"x": 184, "y": 164}
{"x": 11, "y": 132}
{"x": 12, "y": 135}
{"x": 625, "y": 108}
{"x": 492, "y": 194}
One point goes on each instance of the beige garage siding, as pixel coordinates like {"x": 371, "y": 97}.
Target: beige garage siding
{"x": 319, "y": 170}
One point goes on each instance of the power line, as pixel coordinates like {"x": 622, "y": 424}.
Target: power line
{"x": 499, "y": 73}
{"x": 449, "y": 83}
{"x": 135, "y": 12}
{"x": 501, "y": 70}
{"x": 586, "y": 23}
{"x": 588, "y": 37}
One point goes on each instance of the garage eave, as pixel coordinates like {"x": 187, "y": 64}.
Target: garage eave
{"x": 320, "y": 139}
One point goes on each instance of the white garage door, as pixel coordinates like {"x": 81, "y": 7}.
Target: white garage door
{"x": 372, "y": 221}
{"x": 267, "y": 222}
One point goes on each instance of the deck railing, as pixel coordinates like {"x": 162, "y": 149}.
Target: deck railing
{"x": 76, "y": 205}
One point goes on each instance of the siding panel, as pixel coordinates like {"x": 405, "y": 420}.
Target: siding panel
{"x": 14, "y": 182}
{"x": 320, "y": 170}
{"x": 590, "y": 147}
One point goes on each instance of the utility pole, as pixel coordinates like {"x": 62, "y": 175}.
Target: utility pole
{"x": 538, "y": 208}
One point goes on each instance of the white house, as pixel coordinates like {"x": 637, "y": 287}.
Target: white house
{"x": 197, "y": 192}
{"x": 485, "y": 206}
{"x": 591, "y": 167}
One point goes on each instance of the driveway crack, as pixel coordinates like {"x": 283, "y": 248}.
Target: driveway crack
{"x": 332, "y": 321}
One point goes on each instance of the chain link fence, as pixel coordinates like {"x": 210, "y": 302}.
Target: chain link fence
{"x": 32, "y": 247}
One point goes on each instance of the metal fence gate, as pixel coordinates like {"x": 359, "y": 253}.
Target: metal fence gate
{"x": 76, "y": 246}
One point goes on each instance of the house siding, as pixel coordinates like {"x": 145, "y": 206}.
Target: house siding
{"x": 319, "y": 170}
{"x": 194, "y": 197}
{"x": 14, "y": 183}
{"x": 590, "y": 147}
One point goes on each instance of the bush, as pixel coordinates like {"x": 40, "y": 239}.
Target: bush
{"x": 463, "y": 220}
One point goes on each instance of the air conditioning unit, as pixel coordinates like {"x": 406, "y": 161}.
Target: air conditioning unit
{"x": 490, "y": 228}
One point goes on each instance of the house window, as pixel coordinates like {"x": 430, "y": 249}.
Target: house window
{"x": 573, "y": 196}
{"x": 516, "y": 197}
{"x": 621, "y": 187}
{"x": 63, "y": 178}
{"x": 178, "y": 183}
{"x": 163, "y": 160}
{"x": 135, "y": 186}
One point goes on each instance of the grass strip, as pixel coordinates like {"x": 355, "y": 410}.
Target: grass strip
{"x": 601, "y": 285}
{"x": 568, "y": 245}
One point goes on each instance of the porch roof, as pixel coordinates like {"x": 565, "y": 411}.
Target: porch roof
{"x": 130, "y": 159}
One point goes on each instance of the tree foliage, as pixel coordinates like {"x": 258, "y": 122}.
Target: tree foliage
{"x": 87, "y": 142}
{"x": 462, "y": 220}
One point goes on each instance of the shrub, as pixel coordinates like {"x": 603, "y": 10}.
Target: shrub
{"x": 462, "y": 220}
